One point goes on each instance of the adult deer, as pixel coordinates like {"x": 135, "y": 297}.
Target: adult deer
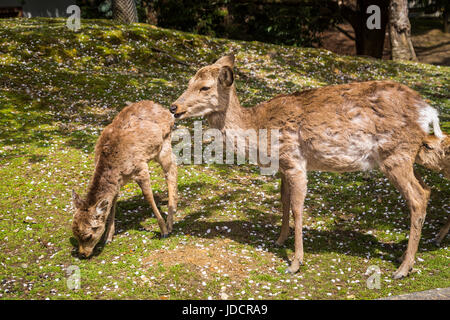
{"x": 342, "y": 128}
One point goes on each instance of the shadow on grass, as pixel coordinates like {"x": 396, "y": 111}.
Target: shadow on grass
{"x": 259, "y": 225}
{"x": 342, "y": 237}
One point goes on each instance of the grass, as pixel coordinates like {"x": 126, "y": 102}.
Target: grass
{"x": 59, "y": 88}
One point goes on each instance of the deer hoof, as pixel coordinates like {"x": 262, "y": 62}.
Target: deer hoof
{"x": 293, "y": 268}
{"x": 164, "y": 236}
{"x": 400, "y": 273}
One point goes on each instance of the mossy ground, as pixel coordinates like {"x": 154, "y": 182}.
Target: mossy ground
{"x": 59, "y": 88}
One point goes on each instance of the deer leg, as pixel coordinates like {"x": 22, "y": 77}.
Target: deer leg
{"x": 422, "y": 183}
{"x": 424, "y": 186}
{"x": 443, "y": 232}
{"x": 168, "y": 162}
{"x": 143, "y": 181}
{"x": 296, "y": 180}
{"x": 416, "y": 196}
{"x": 286, "y": 207}
{"x": 110, "y": 229}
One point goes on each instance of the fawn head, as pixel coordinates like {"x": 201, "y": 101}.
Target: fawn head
{"x": 89, "y": 223}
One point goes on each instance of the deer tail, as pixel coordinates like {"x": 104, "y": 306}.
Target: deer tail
{"x": 429, "y": 116}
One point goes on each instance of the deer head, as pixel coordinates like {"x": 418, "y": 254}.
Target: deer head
{"x": 89, "y": 223}
{"x": 435, "y": 154}
{"x": 208, "y": 91}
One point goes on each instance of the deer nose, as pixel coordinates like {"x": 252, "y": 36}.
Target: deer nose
{"x": 84, "y": 253}
{"x": 173, "y": 108}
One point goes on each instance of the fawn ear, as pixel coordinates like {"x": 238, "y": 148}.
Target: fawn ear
{"x": 101, "y": 208}
{"x": 226, "y": 61}
{"x": 76, "y": 200}
{"x": 101, "y": 212}
{"x": 226, "y": 76}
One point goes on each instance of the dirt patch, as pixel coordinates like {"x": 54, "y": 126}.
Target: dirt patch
{"x": 221, "y": 258}
{"x": 432, "y": 46}
{"x": 337, "y": 42}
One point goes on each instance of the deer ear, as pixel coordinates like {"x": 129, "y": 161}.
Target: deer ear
{"x": 76, "y": 200}
{"x": 101, "y": 208}
{"x": 226, "y": 61}
{"x": 226, "y": 76}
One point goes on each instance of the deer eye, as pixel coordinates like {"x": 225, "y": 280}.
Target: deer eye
{"x": 205, "y": 88}
{"x": 427, "y": 146}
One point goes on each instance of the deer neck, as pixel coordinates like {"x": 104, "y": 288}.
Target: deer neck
{"x": 234, "y": 117}
{"x": 105, "y": 183}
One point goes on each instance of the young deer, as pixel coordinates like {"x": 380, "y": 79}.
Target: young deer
{"x": 435, "y": 155}
{"x": 342, "y": 128}
{"x": 140, "y": 132}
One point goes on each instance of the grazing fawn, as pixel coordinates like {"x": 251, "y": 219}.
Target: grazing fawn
{"x": 341, "y": 128}
{"x": 139, "y": 133}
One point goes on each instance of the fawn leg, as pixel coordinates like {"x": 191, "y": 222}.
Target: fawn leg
{"x": 168, "y": 162}
{"x": 111, "y": 222}
{"x": 143, "y": 181}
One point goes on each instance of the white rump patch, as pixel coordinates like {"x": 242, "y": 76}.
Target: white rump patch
{"x": 429, "y": 116}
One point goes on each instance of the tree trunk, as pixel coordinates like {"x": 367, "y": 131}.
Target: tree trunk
{"x": 445, "y": 17}
{"x": 400, "y": 31}
{"x": 125, "y": 11}
{"x": 368, "y": 42}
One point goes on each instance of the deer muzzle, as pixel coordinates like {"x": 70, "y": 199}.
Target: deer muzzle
{"x": 84, "y": 252}
{"x": 177, "y": 110}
